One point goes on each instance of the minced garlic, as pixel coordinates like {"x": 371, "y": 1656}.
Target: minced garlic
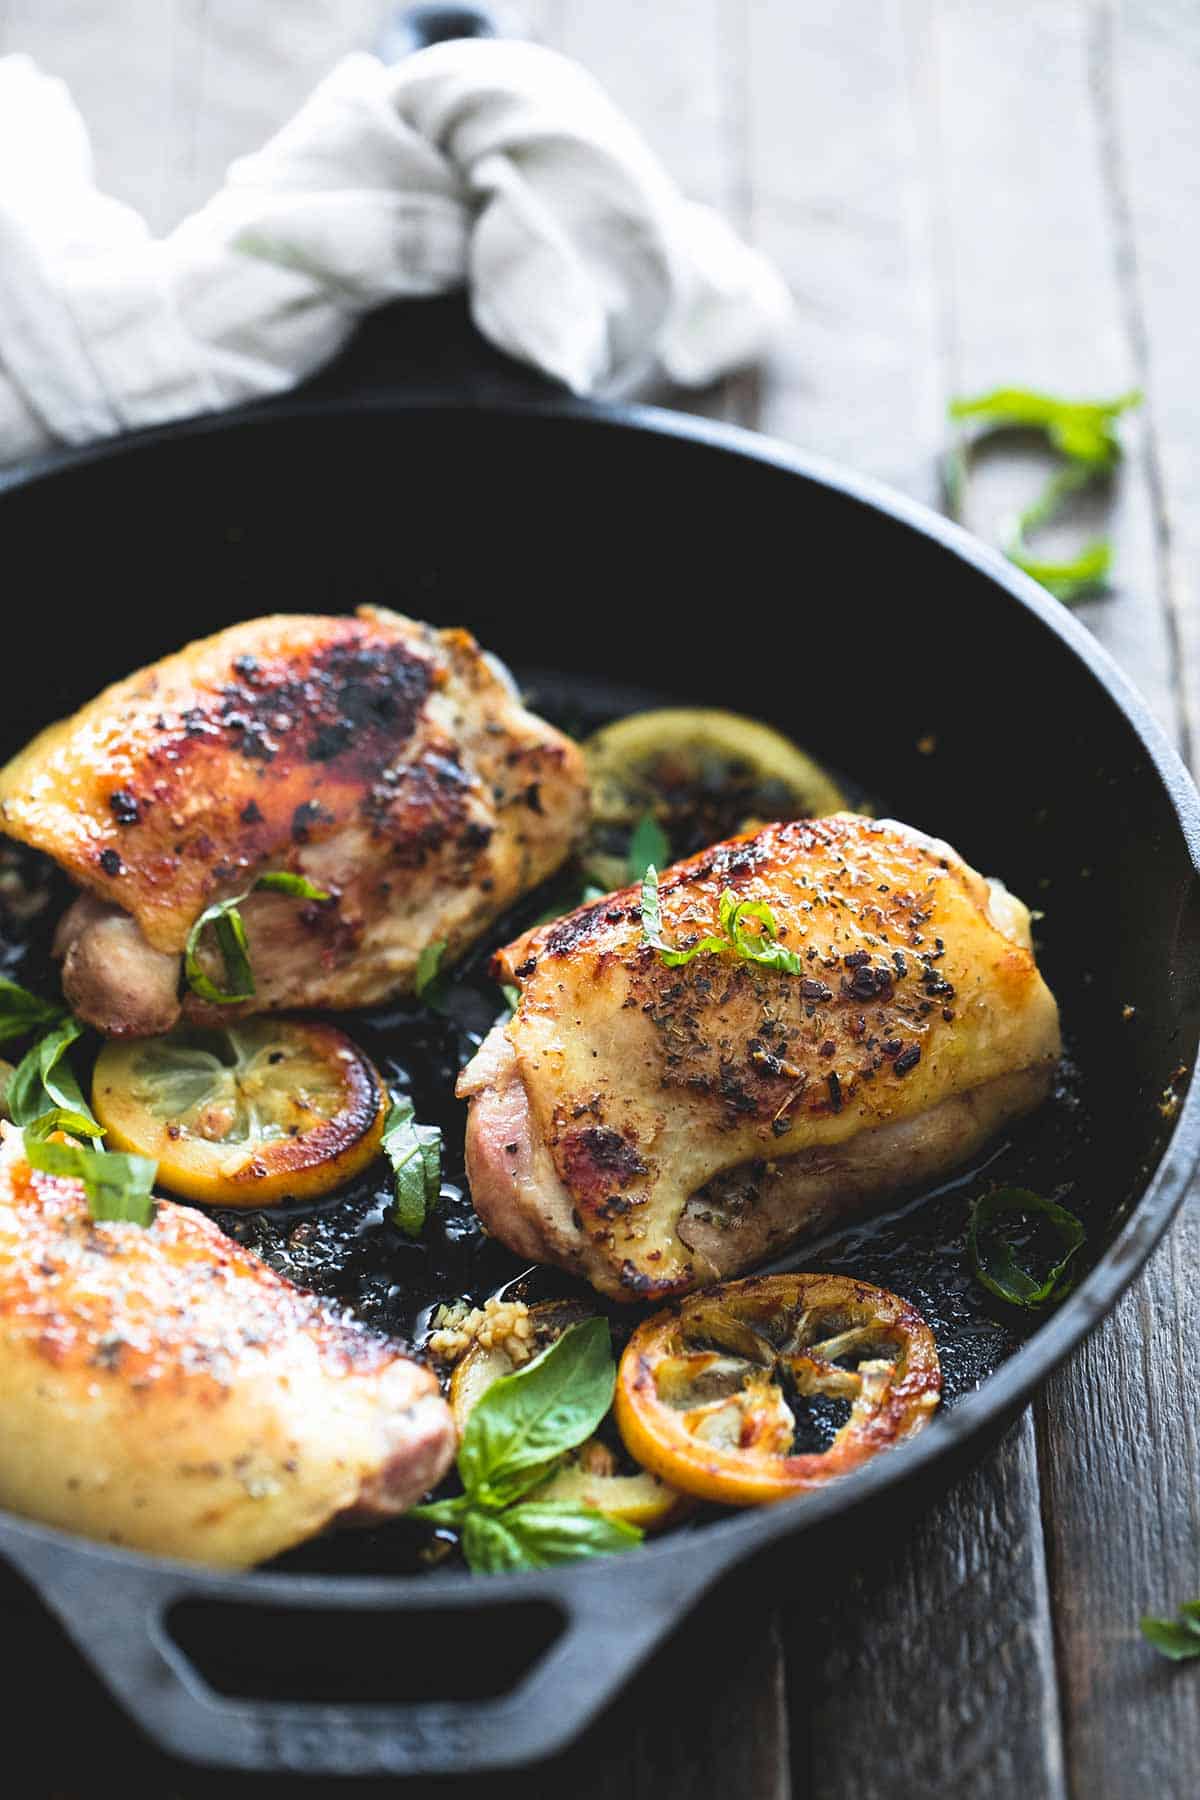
{"x": 497, "y": 1325}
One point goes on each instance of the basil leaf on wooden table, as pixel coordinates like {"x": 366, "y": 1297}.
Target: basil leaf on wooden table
{"x": 526, "y": 1420}
{"x": 415, "y": 1153}
{"x": 993, "y": 1255}
{"x": 538, "y": 1535}
{"x": 22, "y": 1012}
{"x": 230, "y": 933}
{"x": 1177, "y": 1638}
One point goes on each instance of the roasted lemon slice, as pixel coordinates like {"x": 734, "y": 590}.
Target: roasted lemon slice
{"x": 245, "y": 1114}
{"x": 709, "y": 1393}
{"x": 702, "y": 774}
{"x": 591, "y": 1475}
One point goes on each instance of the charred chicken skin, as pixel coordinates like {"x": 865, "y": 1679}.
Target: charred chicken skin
{"x": 654, "y": 1128}
{"x": 162, "y": 1389}
{"x": 389, "y": 763}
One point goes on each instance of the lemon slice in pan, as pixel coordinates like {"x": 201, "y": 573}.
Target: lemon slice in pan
{"x": 245, "y": 1114}
{"x": 702, "y": 774}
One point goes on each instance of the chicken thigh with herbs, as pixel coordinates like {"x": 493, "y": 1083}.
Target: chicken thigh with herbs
{"x": 654, "y": 1127}
{"x": 162, "y": 1389}
{"x": 390, "y": 764}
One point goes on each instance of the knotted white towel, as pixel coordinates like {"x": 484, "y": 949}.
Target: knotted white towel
{"x": 501, "y": 166}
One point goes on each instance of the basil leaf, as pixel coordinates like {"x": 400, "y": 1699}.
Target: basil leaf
{"x": 428, "y": 964}
{"x": 415, "y": 1153}
{"x": 43, "y": 1080}
{"x": 537, "y": 1535}
{"x": 1178, "y": 1638}
{"x": 22, "y": 1012}
{"x": 527, "y": 1419}
{"x": 282, "y": 881}
{"x": 993, "y": 1257}
{"x": 652, "y": 928}
{"x": 1083, "y": 430}
{"x": 448, "y": 1514}
{"x": 647, "y": 846}
{"x": 76, "y": 1125}
{"x": 759, "y": 947}
{"x": 230, "y": 933}
{"x": 118, "y": 1187}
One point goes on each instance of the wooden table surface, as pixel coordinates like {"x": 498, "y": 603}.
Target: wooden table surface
{"x": 961, "y": 193}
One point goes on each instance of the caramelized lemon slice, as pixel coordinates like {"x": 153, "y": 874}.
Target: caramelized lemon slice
{"x": 245, "y": 1114}
{"x": 702, "y": 774}
{"x": 590, "y": 1475}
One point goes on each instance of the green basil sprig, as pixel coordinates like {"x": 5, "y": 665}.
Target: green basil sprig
{"x": 415, "y": 1153}
{"x": 760, "y": 947}
{"x": 45, "y": 1081}
{"x": 118, "y": 1186}
{"x": 1177, "y": 1638}
{"x": 993, "y": 1256}
{"x": 1084, "y": 432}
{"x": 230, "y": 933}
{"x": 22, "y": 1012}
{"x": 515, "y": 1435}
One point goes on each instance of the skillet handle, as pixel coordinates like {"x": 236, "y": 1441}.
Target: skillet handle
{"x": 428, "y": 346}
{"x": 128, "y": 1618}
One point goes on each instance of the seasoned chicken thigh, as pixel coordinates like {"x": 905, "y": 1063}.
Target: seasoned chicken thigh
{"x": 389, "y": 763}
{"x": 162, "y": 1389}
{"x": 653, "y": 1128}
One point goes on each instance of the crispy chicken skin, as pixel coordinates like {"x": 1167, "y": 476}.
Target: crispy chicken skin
{"x": 162, "y": 1389}
{"x": 654, "y": 1128}
{"x": 390, "y": 763}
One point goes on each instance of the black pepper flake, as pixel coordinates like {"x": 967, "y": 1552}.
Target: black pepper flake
{"x": 828, "y": 1047}
{"x": 250, "y": 814}
{"x": 857, "y": 959}
{"x": 525, "y": 969}
{"x": 124, "y": 807}
{"x": 811, "y": 989}
{"x": 532, "y": 797}
{"x": 907, "y": 1059}
{"x": 111, "y": 863}
{"x": 835, "y": 1090}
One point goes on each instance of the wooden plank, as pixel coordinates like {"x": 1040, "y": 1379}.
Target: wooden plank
{"x": 1118, "y": 1426}
{"x": 934, "y": 1660}
{"x": 940, "y": 1654}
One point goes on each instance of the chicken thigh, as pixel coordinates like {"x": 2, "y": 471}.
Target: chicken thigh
{"x": 391, "y": 764}
{"x": 653, "y": 1128}
{"x": 162, "y": 1389}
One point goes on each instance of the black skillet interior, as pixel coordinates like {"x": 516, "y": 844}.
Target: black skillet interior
{"x": 612, "y": 567}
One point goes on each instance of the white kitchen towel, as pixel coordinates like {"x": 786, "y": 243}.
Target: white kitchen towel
{"x": 496, "y": 165}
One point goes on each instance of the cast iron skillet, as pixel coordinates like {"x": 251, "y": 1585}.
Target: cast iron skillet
{"x": 614, "y": 545}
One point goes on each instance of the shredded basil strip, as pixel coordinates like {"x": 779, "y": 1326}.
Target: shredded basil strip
{"x": 648, "y": 846}
{"x": 76, "y": 1125}
{"x": 515, "y": 1436}
{"x": 22, "y": 1012}
{"x": 760, "y": 947}
{"x": 415, "y": 1153}
{"x": 1084, "y": 432}
{"x": 43, "y": 1080}
{"x": 230, "y": 933}
{"x": 428, "y": 964}
{"x": 512, "y": 995}
{"x": 1177, "y": 1638}
{"x": 994, "y": 1258}
{"x": 118, "y": 1187}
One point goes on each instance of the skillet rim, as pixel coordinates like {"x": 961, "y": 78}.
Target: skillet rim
{"x": 723, "y": 1543}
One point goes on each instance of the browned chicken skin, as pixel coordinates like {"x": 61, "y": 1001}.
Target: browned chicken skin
{"x": 390, "y": 763}
{"x": 162, "y": 1389}
{"x": 653, "y": 1128}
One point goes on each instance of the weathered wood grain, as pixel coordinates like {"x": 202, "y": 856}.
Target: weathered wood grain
{"x": 1117, "y": 1427}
